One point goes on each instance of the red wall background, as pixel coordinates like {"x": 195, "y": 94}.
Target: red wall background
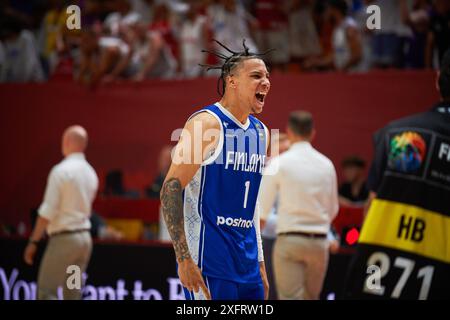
{"x": 129, "y": 123}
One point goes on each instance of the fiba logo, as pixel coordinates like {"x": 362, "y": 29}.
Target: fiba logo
{"x": 407, "y": 152}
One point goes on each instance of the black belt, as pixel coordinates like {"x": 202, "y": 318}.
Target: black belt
{"x": 68, "y": 232}
{"x": 304, "y": 234}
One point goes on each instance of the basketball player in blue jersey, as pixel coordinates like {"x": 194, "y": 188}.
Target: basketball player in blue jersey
{"x": 209, "y": 197}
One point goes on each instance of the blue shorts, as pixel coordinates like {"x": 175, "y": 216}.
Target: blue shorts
{"x": 228, "y": 290}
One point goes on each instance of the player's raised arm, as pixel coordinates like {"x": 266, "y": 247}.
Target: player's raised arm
{"x": 199, "y": 137}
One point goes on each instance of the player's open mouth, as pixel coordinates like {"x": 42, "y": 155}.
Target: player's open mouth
{"x": 260, "y": 96}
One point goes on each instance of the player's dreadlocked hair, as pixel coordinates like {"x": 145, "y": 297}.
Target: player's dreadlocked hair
{"x": 230, "y": 62}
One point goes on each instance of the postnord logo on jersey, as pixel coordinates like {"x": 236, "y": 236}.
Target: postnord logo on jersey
{"x": 238, "y": 222}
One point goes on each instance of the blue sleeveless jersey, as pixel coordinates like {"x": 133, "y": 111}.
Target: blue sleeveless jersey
{"x": 220, "y": 201}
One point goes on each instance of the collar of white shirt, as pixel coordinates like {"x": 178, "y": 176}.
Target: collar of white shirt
{"x": 76, "y": 155}
{"x": 301, "y": 145}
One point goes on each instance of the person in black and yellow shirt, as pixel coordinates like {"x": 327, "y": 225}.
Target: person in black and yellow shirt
{"x": 404, "y": 246}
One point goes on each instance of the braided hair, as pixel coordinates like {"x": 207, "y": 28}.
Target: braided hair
{"x": 230, "y": 62}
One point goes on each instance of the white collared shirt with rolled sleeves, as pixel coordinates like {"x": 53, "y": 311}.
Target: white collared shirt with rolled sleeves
{"x": 306, "y": 184}
{"x": 71, "y": 189}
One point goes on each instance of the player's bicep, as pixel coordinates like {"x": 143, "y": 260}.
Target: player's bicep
{"x": 198, "y": 139}
{"x": 183, "y": 172}
{"x": 183, "y": 166}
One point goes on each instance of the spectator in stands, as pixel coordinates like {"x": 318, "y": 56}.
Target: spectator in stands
{"x": 20, "y": 53}
{"x": 387, "y": 42}
{"x": 116, "y": 39}
{"x": 51, "y": 35}
{"x": 193, "y": 35}
{"x": 347, "y": 49}
{"x": 417, "y": 18}
{"x": 405, "y": 35}
{"x": 164, "y": 162}
{"x": 438, "y": 38}
{"x": 145, "y": 8}
{"x": 353, "y": 191}
{"x": 346, "y": 41}
{"x": 303, "y": 37}
{"x": 115, "y": 23}
{"x": 272, "y": 31}
{"x": 59, "y": 45}
{"x": 229, "y": 22}
{"x": 163, "y": 23}
{"x": 325, "y": 31}
{"x": 360, "y": 15}
{"x": 101, "y": 59}
{"x": 151, "y": 57}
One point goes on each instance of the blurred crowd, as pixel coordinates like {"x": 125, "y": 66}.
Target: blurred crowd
{"x": 143, "y": 39}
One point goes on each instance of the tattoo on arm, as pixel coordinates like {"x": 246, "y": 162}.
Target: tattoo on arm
{"x": 172, "y": 208}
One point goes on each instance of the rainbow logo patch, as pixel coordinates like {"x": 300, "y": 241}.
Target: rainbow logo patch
{"x": 408, "y": 151}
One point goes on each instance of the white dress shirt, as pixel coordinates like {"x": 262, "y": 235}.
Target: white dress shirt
{"x": 256, "y": 222}
{"x": 71, "y": 188}
{"x": 306, "y": 185}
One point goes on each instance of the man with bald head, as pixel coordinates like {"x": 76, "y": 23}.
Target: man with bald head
{"x": 64, "y": 214}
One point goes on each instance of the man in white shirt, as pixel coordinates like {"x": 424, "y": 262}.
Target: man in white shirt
{"x": 281, "y": 143}
{"x": 64, "y": 214}
{"x": 305, "y": 182}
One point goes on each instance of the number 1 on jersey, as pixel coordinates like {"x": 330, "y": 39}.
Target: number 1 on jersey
{"x": 247, "y": 187}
